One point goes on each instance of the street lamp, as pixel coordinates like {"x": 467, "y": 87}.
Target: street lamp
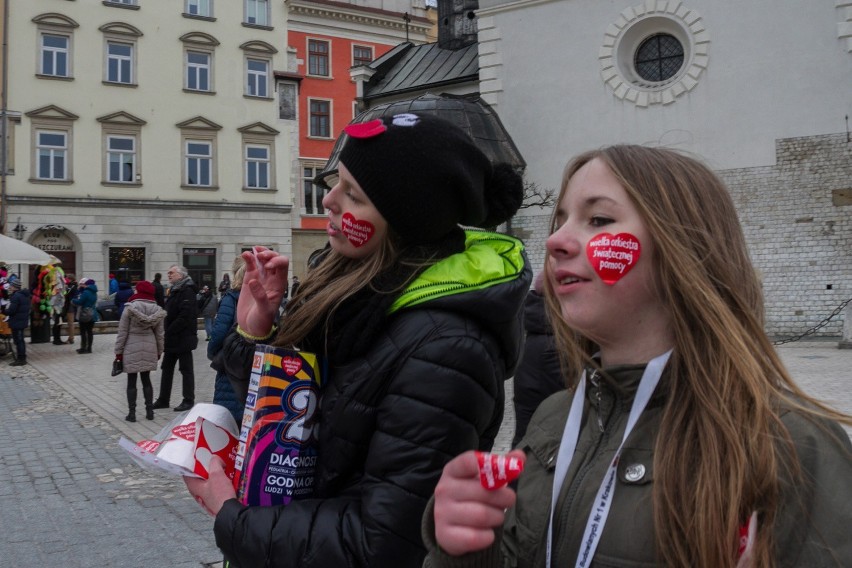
{"x": 19, "y": 230}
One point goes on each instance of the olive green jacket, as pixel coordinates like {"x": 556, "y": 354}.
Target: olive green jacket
{"x": 814, "y": 527}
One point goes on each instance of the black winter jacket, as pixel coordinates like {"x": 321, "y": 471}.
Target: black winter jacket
{"x": 539, "y": 374}
{"x": 182, "y": 318}
{"x": 430, "y": 388}
{"x": 18, "y": 309}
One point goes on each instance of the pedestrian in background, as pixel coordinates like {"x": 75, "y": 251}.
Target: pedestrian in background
{"x": 87, "y": 313}
{"x": 57, "y": 304}
{"x": 684, "y": 442}
{"x": 18, "y": 311}
{"x": 294, "y": 287}
{"x": 113, "y": 284}
{"x": 159, "y": 292}
{"x": 226, "y": 317}
{"x": 181, "y": 338}
{"x": 139, "y": 345}
{"x": 68, "y": 309}
{"x": 207, "y": 306}
{"x": 420, "y": 324}
{"x": 224, "y": 285}
{"x": 539, "y": 374}
{"x": 125, "y": 291}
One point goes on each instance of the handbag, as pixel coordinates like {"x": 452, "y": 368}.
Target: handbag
{"x": 87, "y": 314}
{"x": 117, "y": 367}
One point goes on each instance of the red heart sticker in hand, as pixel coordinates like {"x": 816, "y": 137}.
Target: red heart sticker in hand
{"x": 358, "y": 232}
{"x": 366, "y": 129}
{"x": 612, "y": 256}
{"x": 291, "y": 365}
{"x": 496, "y": 470}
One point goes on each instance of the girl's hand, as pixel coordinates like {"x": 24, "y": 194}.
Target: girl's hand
{"x": 466, "y": 513}
{"x": 211, "y": 493}
{"x": 263, "y": 288}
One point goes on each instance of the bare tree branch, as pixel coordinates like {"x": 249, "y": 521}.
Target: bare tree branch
{"x": 537, "y": 196}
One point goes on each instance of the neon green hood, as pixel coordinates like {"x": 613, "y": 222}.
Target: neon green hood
{"x": 488, "y": 259}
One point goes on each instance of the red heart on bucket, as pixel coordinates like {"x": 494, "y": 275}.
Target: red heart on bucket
{"x": 357, "y": 231}
{"x": 496, "y": 470}
{"x": 291, "y": 365}
{"x": 613, "y": 256}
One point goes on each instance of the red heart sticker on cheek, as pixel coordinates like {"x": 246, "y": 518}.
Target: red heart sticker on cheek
{"x": 357, "y": 231}
{"x": 496, "y": 470}
{"x": 612, "y": 256}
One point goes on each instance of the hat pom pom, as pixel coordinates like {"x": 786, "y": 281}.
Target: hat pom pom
{"x": 505, "y": 195}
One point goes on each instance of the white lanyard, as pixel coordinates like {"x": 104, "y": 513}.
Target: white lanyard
{"x": 603, "y": 499}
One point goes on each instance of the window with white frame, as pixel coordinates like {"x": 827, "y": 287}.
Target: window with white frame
{"x": 198, "y": 70}
{"x": 257, "y": 166}
{"x": 203, "y": 8}
{"x": 320, "y": 118}
{"x": 119, "y": 67}
{"x": 318, "y": 57}
{"x": 257, "y": 12}
{"x": 198, "y": 163}
{"x": 121, "y": 135}
{"x": 55, "y": 46}
{"x": 312, "y": 194}
{"x": 361, "y": 55}
{"x": 121, "y": 159}
{"x": 257, "y": 71}
{"x": 55, "y": 55}
{"x": 52, "y": 155}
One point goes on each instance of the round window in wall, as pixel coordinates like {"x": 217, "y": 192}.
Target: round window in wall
{"x": 658, "y": 58}
{"x": 654, "y": 52}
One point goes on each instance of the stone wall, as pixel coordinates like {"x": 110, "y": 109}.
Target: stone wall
{"x": 797, "y": 218}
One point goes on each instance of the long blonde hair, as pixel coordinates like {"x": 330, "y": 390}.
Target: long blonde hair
{"x": 326, "y": 286}
{"x": 713, "y": 461}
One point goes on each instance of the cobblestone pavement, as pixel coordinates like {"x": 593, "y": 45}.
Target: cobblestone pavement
{"x": 73, "y": 498}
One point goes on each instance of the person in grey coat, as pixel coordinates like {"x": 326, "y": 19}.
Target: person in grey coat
{"x": 139, "y": 344}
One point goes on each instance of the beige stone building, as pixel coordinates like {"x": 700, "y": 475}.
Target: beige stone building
{"x": 144, "y": 133}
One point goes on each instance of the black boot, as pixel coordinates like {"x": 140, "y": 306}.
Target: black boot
{"x": 131, "y": 402}
{"x": 83, "y": 345}
{"x": 148, "y": 393}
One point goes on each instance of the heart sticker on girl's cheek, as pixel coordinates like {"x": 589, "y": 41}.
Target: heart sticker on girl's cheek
{"x": 612, "y": 257}
{"x": 357, "y": 231}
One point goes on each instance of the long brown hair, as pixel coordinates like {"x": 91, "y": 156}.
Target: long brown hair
{"x": 714, "y": 461}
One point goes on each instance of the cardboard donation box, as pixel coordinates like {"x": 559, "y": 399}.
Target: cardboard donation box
{"x": 277, "y": 449}
{"x": 186, "y": 445}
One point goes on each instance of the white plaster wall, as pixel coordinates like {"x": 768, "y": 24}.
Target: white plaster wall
{"x": 776, "y": 69}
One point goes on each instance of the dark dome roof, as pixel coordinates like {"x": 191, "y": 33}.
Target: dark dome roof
{"x": 469, "y": 112}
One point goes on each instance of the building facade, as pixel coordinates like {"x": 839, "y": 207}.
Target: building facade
{"x": 328, "y": 38}
{"x": 145, "y": 133}
{"x": 761, "y": 90}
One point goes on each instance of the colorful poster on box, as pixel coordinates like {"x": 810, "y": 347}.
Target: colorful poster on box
{"x": 277, "y": 450}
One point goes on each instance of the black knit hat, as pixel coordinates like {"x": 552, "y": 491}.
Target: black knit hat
{"x": 426, "y": 176}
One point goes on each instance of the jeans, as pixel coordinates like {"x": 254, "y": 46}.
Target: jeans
{"x": 208, "y": 326}
{"x": 20, "y": 344}
{"x": 184, "y": 361}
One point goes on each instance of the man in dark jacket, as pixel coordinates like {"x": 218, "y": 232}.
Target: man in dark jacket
{"x": 159, "y": 293}
{"x": 18, "y": 311}
{"x": 181, "y": 338}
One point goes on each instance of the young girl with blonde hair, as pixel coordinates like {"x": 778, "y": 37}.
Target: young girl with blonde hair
{"x": 685, "y": 441}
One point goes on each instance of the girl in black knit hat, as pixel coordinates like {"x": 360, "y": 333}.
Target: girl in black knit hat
{"x": 419, "y": 321}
